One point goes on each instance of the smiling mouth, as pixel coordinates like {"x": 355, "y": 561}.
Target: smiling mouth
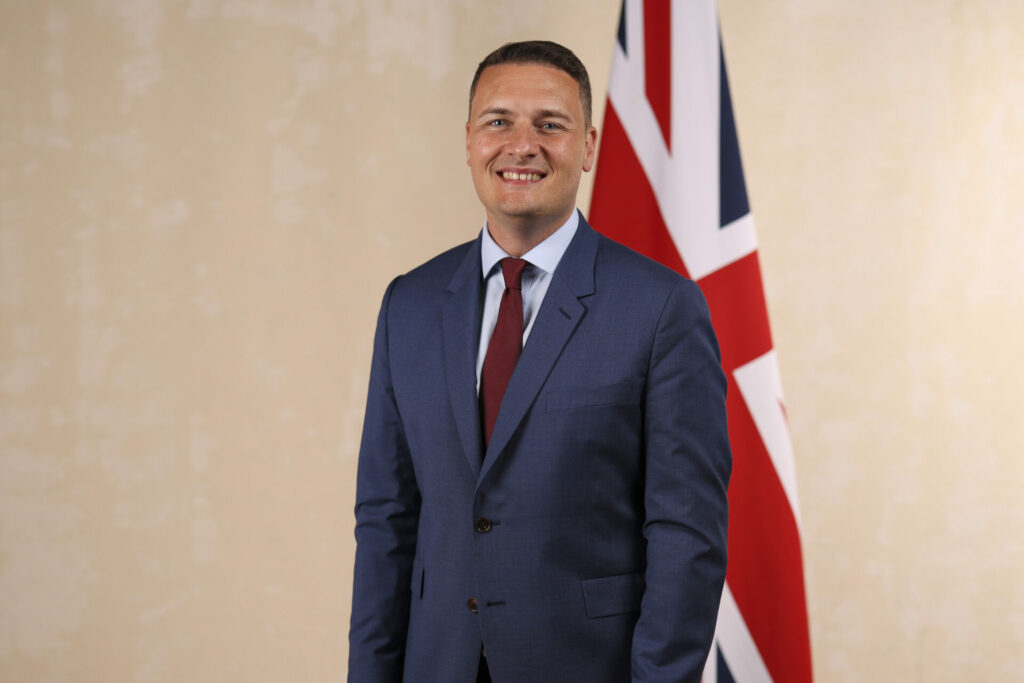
{"x": 520, "y": 177}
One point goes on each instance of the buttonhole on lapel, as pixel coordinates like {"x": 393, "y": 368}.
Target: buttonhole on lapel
{"x": 565, "y": 313}
{"x": 495, "y": 603}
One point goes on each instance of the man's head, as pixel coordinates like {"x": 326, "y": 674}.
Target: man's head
{"x": 540, "y": 52}
{"x": 529, "y": 139}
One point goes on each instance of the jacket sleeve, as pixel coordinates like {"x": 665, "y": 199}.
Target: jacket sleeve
{"x": 688, "y": 464}
{"x": 387, "y": 514}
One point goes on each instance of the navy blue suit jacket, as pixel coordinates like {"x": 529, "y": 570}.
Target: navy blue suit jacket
{"x": 588, "y": 542}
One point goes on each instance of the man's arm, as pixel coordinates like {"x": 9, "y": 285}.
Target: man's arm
{"x": 387, "y": 514}
{"x": 688, "y": 464}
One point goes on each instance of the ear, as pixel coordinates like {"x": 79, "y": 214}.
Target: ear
{"x": 591, "y": 150}
{"x": 467, "y": 143}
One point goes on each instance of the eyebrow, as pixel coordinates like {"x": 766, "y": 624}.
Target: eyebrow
{"x": 492, "y": 111}
{"x": 552, "y": 114}
{"x": 542, "y": 114}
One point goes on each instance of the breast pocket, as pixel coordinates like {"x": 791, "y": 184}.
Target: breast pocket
{"x": 593, "y": 397}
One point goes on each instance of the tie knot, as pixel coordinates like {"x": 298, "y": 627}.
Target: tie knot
{"x": 512, "y": 270}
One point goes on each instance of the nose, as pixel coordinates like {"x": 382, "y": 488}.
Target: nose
{"x": 524, "y": 141}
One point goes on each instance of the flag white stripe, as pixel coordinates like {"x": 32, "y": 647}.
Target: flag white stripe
{"x": 738, "y": 648}
{"x": 761, "y": 388}
{"x": 710, "y": 674}
{"x": 695, "y": 129}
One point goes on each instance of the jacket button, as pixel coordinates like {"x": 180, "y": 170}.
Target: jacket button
{"x": 483, "y": 525}
{"x": 471, "y": 604}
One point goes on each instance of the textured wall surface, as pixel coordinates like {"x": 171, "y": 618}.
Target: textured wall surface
{"x": 201, "y": 202}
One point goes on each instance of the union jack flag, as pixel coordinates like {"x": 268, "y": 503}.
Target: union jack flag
{"x": 669, "y": 183}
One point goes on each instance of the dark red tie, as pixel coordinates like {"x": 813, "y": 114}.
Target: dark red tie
{"x": 505, "y": 345}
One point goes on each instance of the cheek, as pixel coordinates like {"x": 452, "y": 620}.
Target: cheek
{"x": 571, "y": 156}
{"x": 479, "y": 154}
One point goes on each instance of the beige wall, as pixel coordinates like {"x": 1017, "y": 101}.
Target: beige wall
{"x": 201, "y": 203}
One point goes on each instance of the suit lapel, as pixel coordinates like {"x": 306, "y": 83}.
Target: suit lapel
{"x": 461, "y": 338}
{"x": 559, "y": 315}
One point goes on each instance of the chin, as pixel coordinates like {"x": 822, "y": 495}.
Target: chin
{"x": 520, "y": 210}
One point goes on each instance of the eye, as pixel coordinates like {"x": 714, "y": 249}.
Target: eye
{"x": 497, "y": 123}
{"x": 550, "y": 127}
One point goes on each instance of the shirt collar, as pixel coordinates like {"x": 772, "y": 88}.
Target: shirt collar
{"x": 544, "y": 256}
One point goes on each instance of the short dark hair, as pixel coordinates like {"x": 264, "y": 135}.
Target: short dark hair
{"x": 539, "y": 52}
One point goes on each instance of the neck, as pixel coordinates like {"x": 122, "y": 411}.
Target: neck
{"x": 519, "y": 237}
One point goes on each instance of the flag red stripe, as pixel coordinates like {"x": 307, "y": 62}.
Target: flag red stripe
{"x": 658, "y": 63}
{"x": 738, "y": 311}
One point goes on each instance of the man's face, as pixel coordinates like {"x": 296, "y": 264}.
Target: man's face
{"x": 527, "y": 145}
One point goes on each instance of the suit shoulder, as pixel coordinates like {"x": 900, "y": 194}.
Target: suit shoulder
{"x": 622, "y": 262}
{"x": 434, "y": 274}
{"x": 652, "y": 290}
{"x": 442, "y": 265}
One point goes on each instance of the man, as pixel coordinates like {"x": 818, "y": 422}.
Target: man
{"x": 543, "y": 470}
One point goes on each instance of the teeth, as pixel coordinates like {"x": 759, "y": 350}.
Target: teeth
{"x": 511, "y": 175}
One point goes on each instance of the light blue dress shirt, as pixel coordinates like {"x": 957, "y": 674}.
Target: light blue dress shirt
{"x": 543, "y": 259}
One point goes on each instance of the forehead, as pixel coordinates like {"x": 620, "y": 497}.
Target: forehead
{"x": 526, "y": 86}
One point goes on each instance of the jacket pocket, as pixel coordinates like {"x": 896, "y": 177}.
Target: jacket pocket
{"x": 610, "y": 595}
{"x": 587, "y": 397}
